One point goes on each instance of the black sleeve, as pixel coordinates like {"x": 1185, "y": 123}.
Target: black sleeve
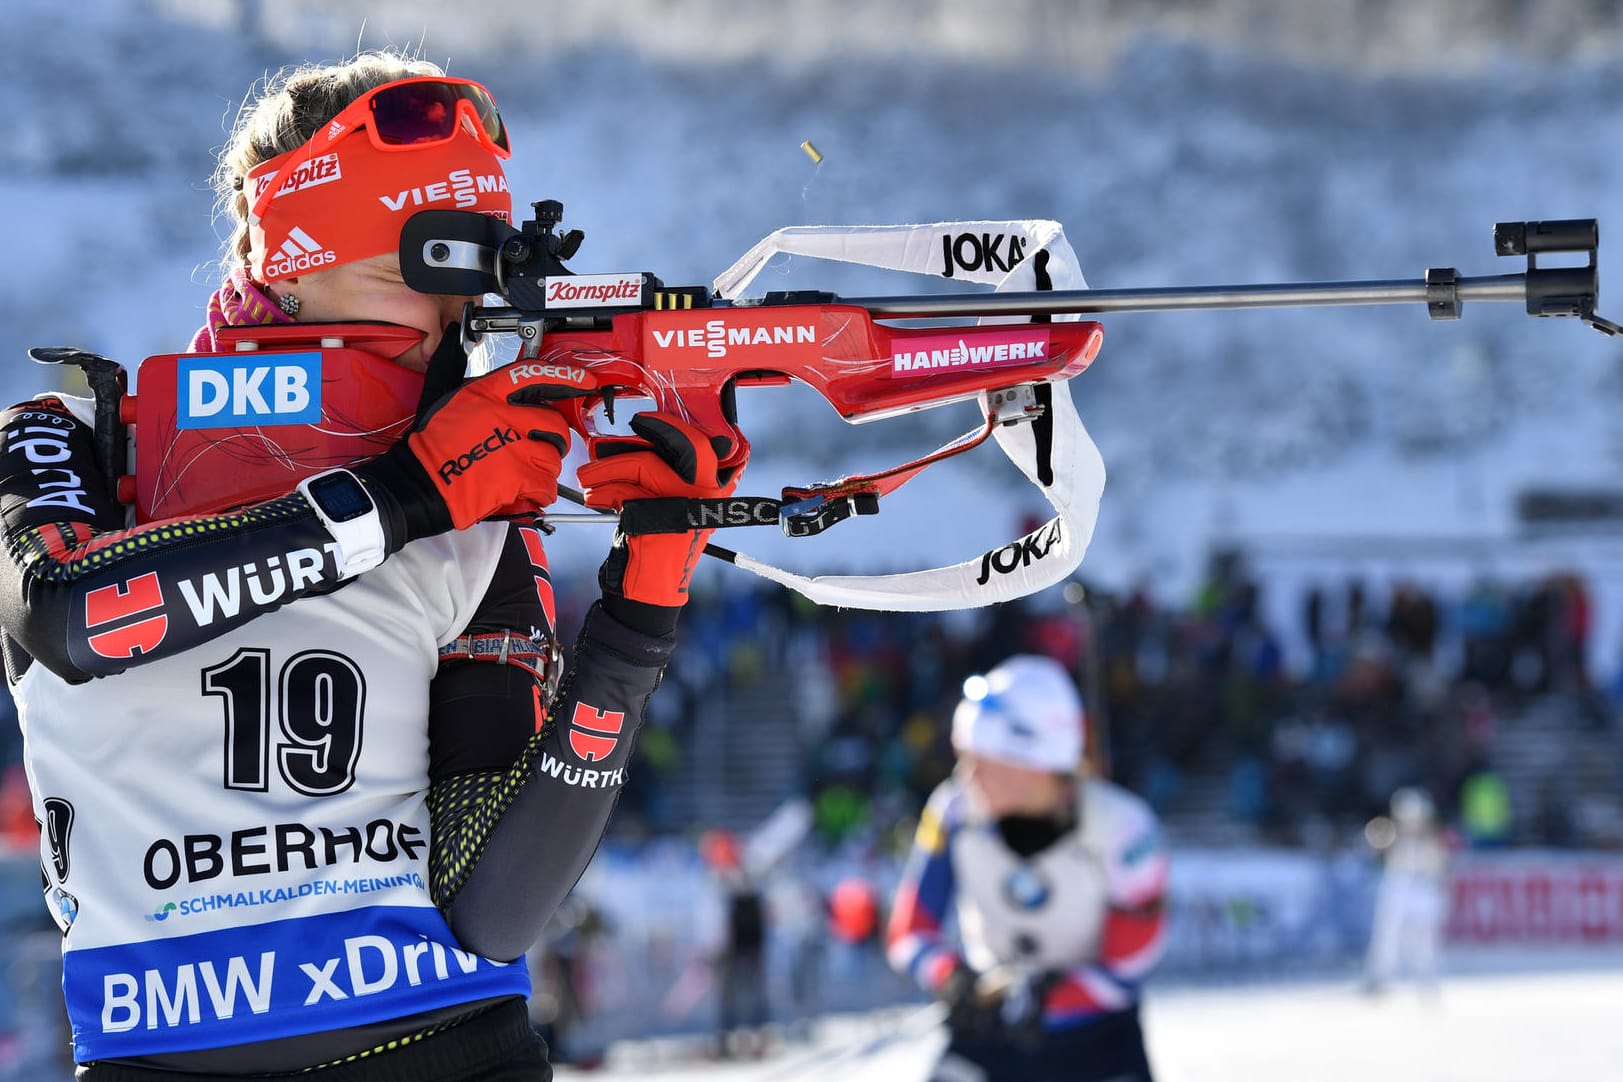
{"x": 481, "y": 715}
{"x": 521, "y": 793}
{"x": 86, "y": 597}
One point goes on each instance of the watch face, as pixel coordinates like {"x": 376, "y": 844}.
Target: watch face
{"x": 340, "y": 497}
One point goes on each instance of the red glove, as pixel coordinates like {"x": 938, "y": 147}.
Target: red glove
{"x": 495, "y": 445}
{"x": 672, "y": 458}
{"x": 481, "y": 448}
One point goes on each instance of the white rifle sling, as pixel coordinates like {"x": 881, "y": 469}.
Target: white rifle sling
{"x": 1048, "y": 554}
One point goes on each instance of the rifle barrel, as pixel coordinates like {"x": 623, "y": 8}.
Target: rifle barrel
{"x": 1500, "y": 287}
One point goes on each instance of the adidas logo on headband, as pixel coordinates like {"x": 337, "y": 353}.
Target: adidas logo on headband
{"x": 342, "y": 199}
{"x": 300, "y": 252}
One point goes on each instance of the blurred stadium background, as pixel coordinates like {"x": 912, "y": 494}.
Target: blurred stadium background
{"x": 1341, "y": 552}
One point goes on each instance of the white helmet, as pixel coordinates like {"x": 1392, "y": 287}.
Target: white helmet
{"x": 1026, "y": 713}
{"x": 1412, "y": 807}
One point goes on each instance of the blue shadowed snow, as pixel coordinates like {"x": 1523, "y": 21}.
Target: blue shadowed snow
{"x": 1174, "y": 165}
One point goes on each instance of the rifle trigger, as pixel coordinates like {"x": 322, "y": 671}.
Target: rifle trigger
{"x": 816, "y": 514}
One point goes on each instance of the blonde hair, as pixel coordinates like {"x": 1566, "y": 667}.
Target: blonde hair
{"x": 291, "y": 108}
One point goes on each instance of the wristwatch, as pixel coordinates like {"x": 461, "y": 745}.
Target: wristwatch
{"x": 346, "y": 509}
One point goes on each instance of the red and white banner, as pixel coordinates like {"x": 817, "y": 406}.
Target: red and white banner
{"x": 1537, "y": 900}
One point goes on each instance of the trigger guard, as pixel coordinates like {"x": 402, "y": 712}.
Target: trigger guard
{"x": 717, "y": 418}
{"x": 738, "y": 456}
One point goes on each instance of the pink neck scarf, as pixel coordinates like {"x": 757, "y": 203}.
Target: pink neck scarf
{"x": 237, "y": 303}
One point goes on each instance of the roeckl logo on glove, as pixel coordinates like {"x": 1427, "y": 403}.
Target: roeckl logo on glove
{"x": 499, "y": 437}
{"x": 518, "y": 373}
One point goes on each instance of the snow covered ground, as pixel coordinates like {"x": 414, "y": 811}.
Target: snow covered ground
{"x": 1520, "y": 1027}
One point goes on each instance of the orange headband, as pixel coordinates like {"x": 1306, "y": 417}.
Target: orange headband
{"x": 350, "y": 201}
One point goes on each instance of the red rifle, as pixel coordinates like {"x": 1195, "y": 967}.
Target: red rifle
{"x": 687, "y": 349}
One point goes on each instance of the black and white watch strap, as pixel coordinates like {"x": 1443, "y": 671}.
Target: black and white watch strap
{"x": 350, "y": 515}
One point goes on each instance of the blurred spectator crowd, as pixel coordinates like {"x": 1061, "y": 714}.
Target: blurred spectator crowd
{"x": 1191, "y": 704}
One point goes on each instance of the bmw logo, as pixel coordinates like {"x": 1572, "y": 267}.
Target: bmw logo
{"x": 67, "y": 906}
{"x": 1025, "y": 889}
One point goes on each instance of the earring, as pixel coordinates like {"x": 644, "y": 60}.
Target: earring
{"x": 288, "y": 303}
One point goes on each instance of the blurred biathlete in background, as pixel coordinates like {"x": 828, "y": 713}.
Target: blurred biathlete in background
{"x": 1057, "y": 880}
{"x": 738, "y": 947}
{"x": 1411, "y": 903}
{"x": 313, "y": 772}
